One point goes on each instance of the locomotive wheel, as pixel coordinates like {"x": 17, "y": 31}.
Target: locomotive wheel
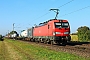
{"x": 38, "y": 40}
{"x": 52, "y": 42}
{"x": 64, "y": 43}
{"x": 48, "y": 41}
{"x": 31, "y": 40}
{"x": 44, "y": 41}
{"x": 35, "y": 40}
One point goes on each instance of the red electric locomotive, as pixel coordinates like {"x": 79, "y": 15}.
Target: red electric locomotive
{"x": 53, "y": 31}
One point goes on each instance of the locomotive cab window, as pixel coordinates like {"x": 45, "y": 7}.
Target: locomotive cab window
{"x": 57, "y": 25}
{"x": 62, "y": 25}
{"x": 65, "y": 24}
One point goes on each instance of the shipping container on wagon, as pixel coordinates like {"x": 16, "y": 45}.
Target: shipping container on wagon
{"x": 29, "y": 36}
{"x": 24, "y": 33}
{"x": 54, "y": 30}
{"x": 30, "y": 32}
{"x": 13, "y": 35}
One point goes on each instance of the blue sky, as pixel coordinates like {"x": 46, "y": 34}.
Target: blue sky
{"x": 26, "y": 13}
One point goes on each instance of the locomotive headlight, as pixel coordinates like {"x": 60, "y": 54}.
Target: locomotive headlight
{"x": 66, "y": 32}
{"x": 53, "y": 33}
{"x": 58, "y": 32}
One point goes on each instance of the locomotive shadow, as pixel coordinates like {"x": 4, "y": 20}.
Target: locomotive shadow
{"x": 73, "y": 43}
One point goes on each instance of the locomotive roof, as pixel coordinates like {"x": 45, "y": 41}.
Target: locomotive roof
{"x": 56, "y": 19}
{"x": 50, "y": 20}
{"x": 41, "y": 24}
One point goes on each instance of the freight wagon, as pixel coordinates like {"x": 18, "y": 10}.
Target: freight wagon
{"x": 26, "y": 34}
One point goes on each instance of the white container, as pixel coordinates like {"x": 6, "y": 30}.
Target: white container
{"x": 24, "y": 33}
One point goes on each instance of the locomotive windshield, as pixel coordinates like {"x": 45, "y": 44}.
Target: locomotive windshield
{"x": 62, "y": 25}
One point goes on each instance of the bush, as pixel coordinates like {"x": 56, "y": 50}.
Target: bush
{"x": 87, "y": 35}
{"x": 83, "y": 33}
{"x": 1, "y": 38}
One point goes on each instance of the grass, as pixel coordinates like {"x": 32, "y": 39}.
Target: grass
{"x": 4, "y": 54}
{"x": 40, "y": 53}
{"x": 1, "y": 51}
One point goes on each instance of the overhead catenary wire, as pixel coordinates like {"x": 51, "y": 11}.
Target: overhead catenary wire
{"x": 39, "y": 17}
{"x": 58, "y": 7}
{"x": 42, "y": 15}
{"x": 75, "y": 11}
{"x": 49, "y": 11}
{"x": 66, "y": 3}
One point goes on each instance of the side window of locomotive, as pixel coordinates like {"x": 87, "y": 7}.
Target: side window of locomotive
{"x": 48, "y": 26}
{"x": 58, "y": 25}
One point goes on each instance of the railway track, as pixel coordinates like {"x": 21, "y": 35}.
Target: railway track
{"x": 80, "y": 49}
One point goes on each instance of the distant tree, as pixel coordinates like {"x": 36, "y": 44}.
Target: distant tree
{"x": 1, "y": 38}
{"x": 87, "y": 35}
{"x": 82, "y": 33}
{"x": 12, "y": 32}
{"x": 85, "y": 28}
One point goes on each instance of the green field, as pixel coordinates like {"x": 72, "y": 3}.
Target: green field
{"x": 74, "y": 37}
{"x": 16, "y": 50}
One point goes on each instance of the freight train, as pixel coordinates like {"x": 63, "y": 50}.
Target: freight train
{"x": 54, "y": 31}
